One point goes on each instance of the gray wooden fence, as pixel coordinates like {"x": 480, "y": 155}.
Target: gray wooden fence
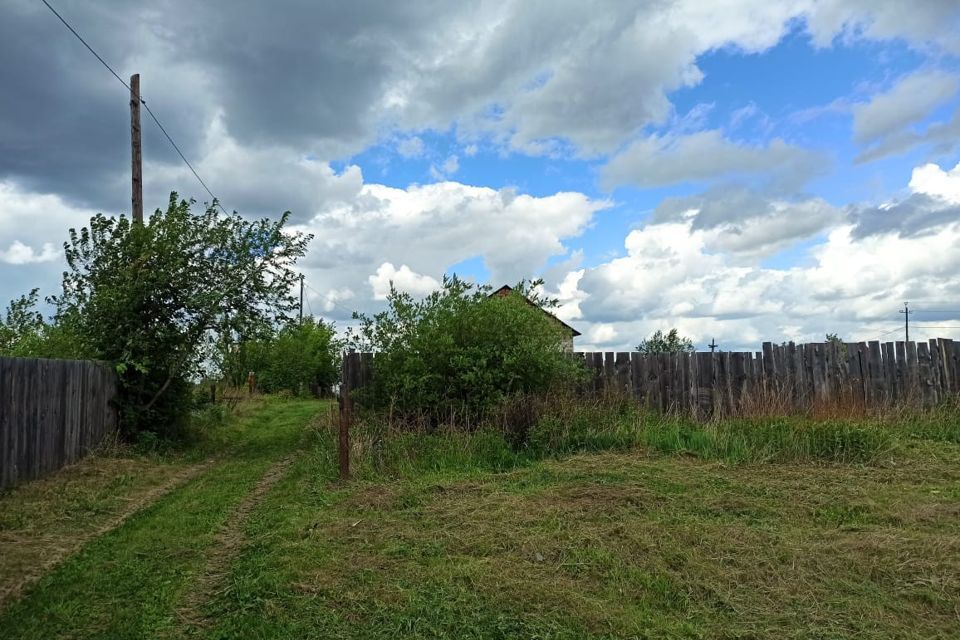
{"x": 52, "y": 413}
{"x": 789, "y": 377}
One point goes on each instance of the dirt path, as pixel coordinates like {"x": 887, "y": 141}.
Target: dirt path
{"x": 227, "y": 545}
{"x": 57, "y": 548}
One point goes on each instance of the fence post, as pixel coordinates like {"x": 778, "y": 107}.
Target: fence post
{"x": 346, "y": 415}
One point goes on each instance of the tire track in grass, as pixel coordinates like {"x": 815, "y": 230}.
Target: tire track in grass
{"x": 127, "y": 583}
{"x": 225, "y": 548}
{"x": 12, "y": 592}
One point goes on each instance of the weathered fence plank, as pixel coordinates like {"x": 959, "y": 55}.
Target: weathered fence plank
{"x": 702, "y": 384}
{"x": 52, "y": 412}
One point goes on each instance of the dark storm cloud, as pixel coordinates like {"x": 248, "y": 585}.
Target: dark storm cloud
{"x": 309, "y": 75}
{"x": 305, "y": 72}
{"x": 64, "y": 120}
{"x": 324, "y": 79}
{"x": 64, "y": 124}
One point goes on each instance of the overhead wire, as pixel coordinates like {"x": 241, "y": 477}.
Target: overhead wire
{"x": 328, "y": 299}
{"x": 89, "y": 48}
{"x": 216, "y": 200}
{"x": 889, "y": 332}
{"x": 156, "y": 120}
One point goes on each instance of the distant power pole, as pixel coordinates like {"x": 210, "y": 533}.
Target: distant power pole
{"x": 301, "y": 298}
{"x": 906, "y": 319}
{"x": 136, "y": 153}
{"x": 713, "y": 345}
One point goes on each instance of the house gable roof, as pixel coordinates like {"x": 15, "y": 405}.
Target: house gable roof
{"x": 507, "y": 290}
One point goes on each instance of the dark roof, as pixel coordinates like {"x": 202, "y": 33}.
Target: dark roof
{"x": 507, "y": 289}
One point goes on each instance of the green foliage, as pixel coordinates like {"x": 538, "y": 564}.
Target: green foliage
{"x": 459, "y": 351}
{"x": 833, "y": 338}
{"x": 671, "y": 342}
{"x": 155, "y": 299}
{"x": 21, "y": 328}
{"x": 298, "y": 358}
{"x": 25, "y": 334}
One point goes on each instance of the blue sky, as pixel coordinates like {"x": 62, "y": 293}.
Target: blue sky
{"x": 785, "y": 92}
{"x": 752, "y": 171}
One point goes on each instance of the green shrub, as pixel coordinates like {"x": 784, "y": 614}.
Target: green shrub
{"x": 459, "y": 352}
{"x": 299, "y": 358}
{"x": 154, "y": 299}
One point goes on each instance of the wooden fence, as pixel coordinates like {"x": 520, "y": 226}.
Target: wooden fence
{"x": 784, "y": 377}
{"x": 52, "y": 413}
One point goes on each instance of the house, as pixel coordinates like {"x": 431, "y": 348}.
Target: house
{"x": 569, "y": 332}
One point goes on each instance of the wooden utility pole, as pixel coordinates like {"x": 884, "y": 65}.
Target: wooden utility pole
{"x": 906, "y": 319}
{"x": 301, "y": 298}
{"x": 136, "y": 165}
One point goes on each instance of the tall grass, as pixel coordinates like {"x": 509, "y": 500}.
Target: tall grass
{"x": 940, "y": 423}
{"x": 772, "y": 440}
{"x": 530, "y": 428}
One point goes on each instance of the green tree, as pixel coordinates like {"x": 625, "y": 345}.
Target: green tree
{"x": 21, "y": 327}
{"x": 24, "y": 332}
{"x": 671, "y": 342}
{"x": 460, "y": 351}
{"x": 299, "y": 357}
{"x": 155, "y": 299}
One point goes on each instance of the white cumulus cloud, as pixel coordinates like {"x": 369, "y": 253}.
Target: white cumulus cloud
{"x": 19, "y": 253}
{"x": 402, "y": 279}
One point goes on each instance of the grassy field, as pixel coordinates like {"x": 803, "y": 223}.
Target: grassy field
{"x": 453, "y": 537}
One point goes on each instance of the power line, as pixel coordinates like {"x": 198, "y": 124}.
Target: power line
{"x": 182, "y": 157}
{"x": 142, "y": 101}
{"x": 328, "y": 299}
{"x": 919, "y": 326}
{"x": 80, "y": 38}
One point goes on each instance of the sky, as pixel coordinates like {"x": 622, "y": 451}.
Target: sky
{"x": 742, "y": 170}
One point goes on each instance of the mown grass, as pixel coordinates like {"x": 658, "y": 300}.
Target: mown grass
{"x": 609, "y": 545}
{"x": 126, "y": 584}
{"x": 588, "y": 520}
{"x": 43, "y": 520}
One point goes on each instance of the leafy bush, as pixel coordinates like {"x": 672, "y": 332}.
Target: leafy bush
{"x": 25, "y": 334}
{"x": 155, "y": 299}
{"x": 300, "y": 357}
{"x": 459, "y": 351}
{"x": 671, "y": 342}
